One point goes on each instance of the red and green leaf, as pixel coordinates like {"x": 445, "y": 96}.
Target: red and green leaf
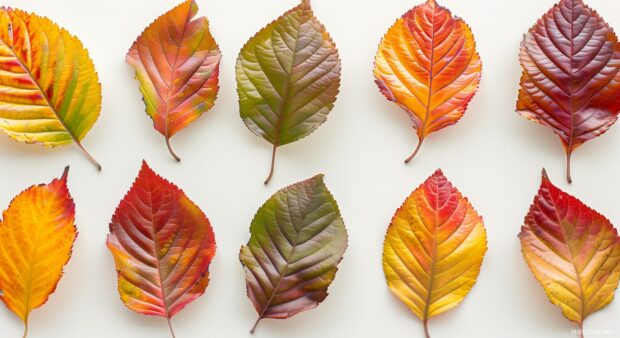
{"x": 288, "y": 77}
{"x": 298, "y": 239}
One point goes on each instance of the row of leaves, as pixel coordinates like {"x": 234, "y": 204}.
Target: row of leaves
{"x": 163, "y": 244}
{"x": 288, "y": 77}
{"x": 288, "y": 74}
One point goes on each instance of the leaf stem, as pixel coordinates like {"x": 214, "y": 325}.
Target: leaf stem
{"x": 170, "y": 327}
{"x": 415, "y": 152}
{"x": 569, "y": 153}
{"x": 426, "y": 328}
{"x": 26, "y": 328}
{"x": 88, "y": 155}
{"x": 273, "y": 163}
{"x": 581, "y": 329}
{"x": 256, "y": 324}
{"x": 176, "y": 157}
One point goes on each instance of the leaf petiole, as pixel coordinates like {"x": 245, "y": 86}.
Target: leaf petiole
{"x": 273, "y": 163}
{"x": 170, "y": 327}
{"x": 415, "y": 152}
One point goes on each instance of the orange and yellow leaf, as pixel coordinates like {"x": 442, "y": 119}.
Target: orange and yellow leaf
{"x": 573, "y": 251}
{"x": 434, "y": 248}
{"x": 427, "y": 63}
{"x": 36, "y": 238}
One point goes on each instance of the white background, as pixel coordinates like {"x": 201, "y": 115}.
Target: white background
{"x": 493, "y": 156}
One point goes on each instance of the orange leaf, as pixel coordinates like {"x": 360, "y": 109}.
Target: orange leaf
{"x": 177, "y": 62}
{"x": 427, "y": 63}
{"x": 36, "y": 238}
{"x": 573, "y": 251}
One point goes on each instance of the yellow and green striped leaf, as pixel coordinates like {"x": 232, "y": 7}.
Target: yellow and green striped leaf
{"x": 49, "y": 90}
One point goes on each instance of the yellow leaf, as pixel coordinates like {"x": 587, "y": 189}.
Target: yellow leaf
{"x": 434, "y": 248}
{"x": 36, "y": 238}
{"x": 49, "y": 90}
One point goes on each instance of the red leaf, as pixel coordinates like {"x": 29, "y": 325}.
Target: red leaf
{"x": 162, "y": 245}
{"x": 571, "y": 74}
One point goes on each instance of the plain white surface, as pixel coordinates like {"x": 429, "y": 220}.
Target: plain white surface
{"x": 493, "y": 156}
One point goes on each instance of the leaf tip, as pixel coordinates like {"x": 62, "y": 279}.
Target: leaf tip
{"x": 318, "y": 178}
{"x": 145, "y": 167}
{"x": 545, "y": 176}
{"x": 65, "y": 174}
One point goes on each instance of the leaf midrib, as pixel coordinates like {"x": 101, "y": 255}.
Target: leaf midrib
{"x": 286, "y": 94}
{"x": 433, "y": 259}
{"x": 431, "y": 77}
{"x": 173, "y": 73}
{"x": 284, "y": 271}
{"x": 577, "y": 275}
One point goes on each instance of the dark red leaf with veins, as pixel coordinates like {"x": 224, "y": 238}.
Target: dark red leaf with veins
{"x": 571, "y": 74}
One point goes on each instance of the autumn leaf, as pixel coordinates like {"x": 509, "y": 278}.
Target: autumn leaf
{"x": 49, "y": 90}
{"x": 427, "y": 64}
{"x": 288, "y": 77}
{"x": 162, "y": 245}
{"x": 298, "y": 239}
{"x": 433, "y": 249}
{"x": 177, "y": 63}
{"x": 573, "y": 251}
{"x": 37, "y": 233}
{"x": 571, "y": 75}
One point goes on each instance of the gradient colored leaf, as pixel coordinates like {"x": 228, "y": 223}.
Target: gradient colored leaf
{"x": 571, "y": 75}
{"x": 37, "y": 233}
{"x": 177, "y": 63}
{"x": 427, "y": 63}
{"x": 298, "y": 239}
{"x": 573, "y": 251}
{"x": 162, "y": 245}
{"x": 288, "y": 77}
{"x": 434, "y": 248}
{"x": 49, "y": 89}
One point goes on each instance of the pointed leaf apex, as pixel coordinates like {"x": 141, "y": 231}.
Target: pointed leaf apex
{"x": 145, "y": 168}
{"x": 317, "y": 179}
{"x": 305, "y": 3}
{"x": 545, "y": 177}
{"x": 65, "y": 173}
{"x": 438, "y": 172}
{"x": 432, "y": 2}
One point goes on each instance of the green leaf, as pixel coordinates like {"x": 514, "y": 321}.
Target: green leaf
{"x": 298, "y": 239}
{"x": 288, "y": 77}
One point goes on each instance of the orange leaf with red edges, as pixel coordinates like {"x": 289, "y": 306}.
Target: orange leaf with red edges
{"x": 36, "y": 238}
{"x": 427, "y": 63}
{"x": 162, "y": 245}
{"x": 177, "y": 63}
